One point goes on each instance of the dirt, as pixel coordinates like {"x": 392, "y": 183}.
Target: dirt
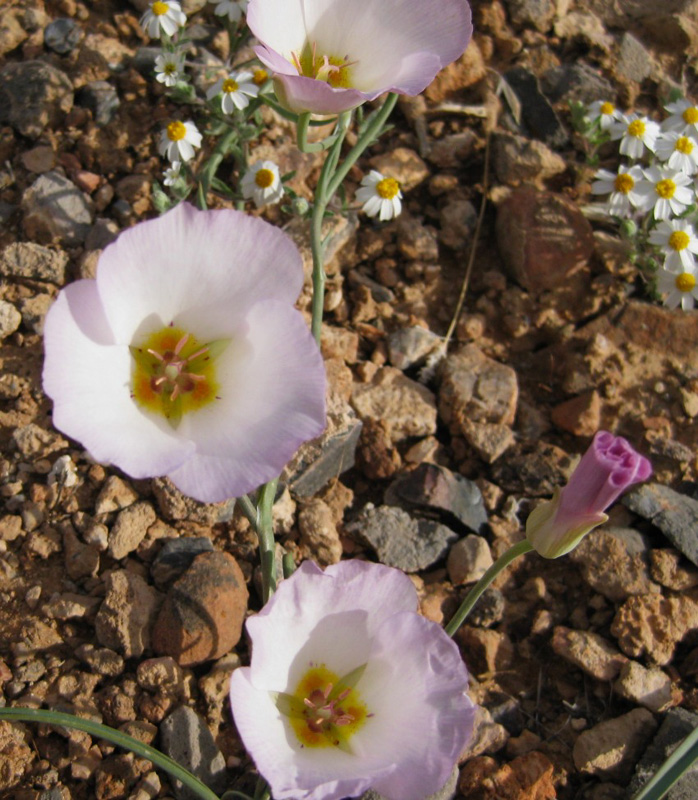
{"x": 552, "y": 298}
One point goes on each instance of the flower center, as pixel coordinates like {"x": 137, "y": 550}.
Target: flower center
{"x": 607, "y": 108}
{"x": 264, "y": 178}
{"x": 684, "y": 145}
{"x": 176, "y": 131}
{"x": 324, "y": 710}
{"x": 173, "y": 373}
{"x": 685, "y": 282}
{"x": 159, "y": 8}
{"x": 636, "y": 128}
{"x": 665, "y": 188}
{"x": 330, "y": 69}
{"x": 624, "y": 183}
{"x": 679, "y": 240}
{"x": 230, "y": 85}
{"x": 170, "y": 69}
{"x": 690, "y": 115}
{"x": 259, "y": 76}
{"x": 387, "y": 188}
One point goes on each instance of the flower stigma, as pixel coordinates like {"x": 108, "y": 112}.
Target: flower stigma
{"x": 264, "y": 178}
{"x": 685, "y": 282}
{"x": 174, "y": 374}
{"x": 623, "y": 183}
{"x": 665, "y": 188}
{"x": 387, "y": 188}
{"x": 690, "y": 115}
{"x": 684, "y": 145}
{"x": 679, "y": 240}
{"x": 330, "y": 69}
{"x": 324, "y": 710}
{"x": 636, "y": 128}
{"x": 176, "y": 131}
{"x": 159, "y": 8}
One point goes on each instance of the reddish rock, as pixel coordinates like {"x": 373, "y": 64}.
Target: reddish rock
{"x": 580, "y": 415}
{"x": 588, "y": 651}
{"x": 202, "y": 616}
{"x": 528, "y": 777}
{"x": 543, "y": 238}
{"x": 485, "y": 650}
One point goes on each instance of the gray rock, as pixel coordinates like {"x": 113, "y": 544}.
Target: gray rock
{"x": 438, "y": 489}
{"x": 677, "y": 724}
{"x": 676, "y": 515}
{"x": 102, "y": 99}
{"x": 538, "y": 118}
{"x": 29, "y": 260}
{"x": 10, "y": 319}
{"x": 322, "y": 460}
{"x": 144, "y": 60}
{"x": 578, "y": 81}
{"x": 127, "y": 613}
{"x": 102, "y": 233}
{"x": 468, "y": 560}
{"x": 446, "y": 792}
{"x": 538, "y": 13}
{"x": 634, "y": 61}
{"x": 177, "y": 555}
{"x": 34, "y": 95}
{"x": 62, "y": 35}
{"x": 55, "y": 209}
{"x": 186, "y": 739}
{"x": 410, "y": 346}
{"x": 401, "y": 541}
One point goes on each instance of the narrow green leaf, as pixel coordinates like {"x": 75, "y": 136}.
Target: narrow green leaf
{"x": 679, "y": 762}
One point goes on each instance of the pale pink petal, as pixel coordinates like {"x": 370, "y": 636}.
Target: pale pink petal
{"x": 281, "y": 21}
{"x": 271, "y": 400}
{"x": 223, "y": 261}
{"x": 88, "y": 377}
{"x": 301, "y": 94}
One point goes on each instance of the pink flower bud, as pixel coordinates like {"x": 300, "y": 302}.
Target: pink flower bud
{"x": 606, "y": 470}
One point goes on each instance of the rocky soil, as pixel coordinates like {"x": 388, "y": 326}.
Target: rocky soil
{"x": 585, "y": 667}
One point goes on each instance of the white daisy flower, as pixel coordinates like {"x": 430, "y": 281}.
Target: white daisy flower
{"x": 262, "y": 183}
{"x": 622, "y": 188}
{"x": 679, "y": 150}
{"x": 168, "y": 68}
{"x": 171, "y": 174}
{"x": 233, "y": 9}
{"x": 636, "y": 133}
{"x": 684, "y": 117}
{"x": 178, "y": 141}
{"x": 678, "y": 242}
{"x": 260, "y": 77}
{"x": 163, "y": 16}
{"x": 604, "y": 113}
{"x": 236, "y": 89}
{"x": 667, "y": 190}
{"x": 380, "y": 196}
{"x": 679, "y": 288}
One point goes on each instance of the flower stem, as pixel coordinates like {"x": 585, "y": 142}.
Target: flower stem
{"x": 261, "y": 519}
{"x": 302, "y": 136}
{"x": 208, "y": 172}
{"x": 118, "y": 738}
{"x": 519, "y": 549}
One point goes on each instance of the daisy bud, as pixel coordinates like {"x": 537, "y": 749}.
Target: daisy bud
{"x": 351, "y": 689}
{"x": 606, "y": 470}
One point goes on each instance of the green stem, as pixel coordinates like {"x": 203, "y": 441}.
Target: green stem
{"x": 208, "y": 172}
{"x": 265, "y": 532}
{"x": 519, "y": 549}
{"x": 118, "y": 738}
{"x": 302, "y": 135}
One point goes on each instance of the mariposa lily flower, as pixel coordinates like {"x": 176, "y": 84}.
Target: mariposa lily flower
{"x": 186, "y": 357}
{"x": 350, "y": 689}
{"x": 328, "y": 56}
{"x": 606, "y": 470}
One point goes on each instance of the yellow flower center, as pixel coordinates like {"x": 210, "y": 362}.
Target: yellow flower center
{"x": 607, "y": 108}
{"x": 230, "y": 85}
{"x": 690, "y": 115}
{"x": 159, "y": 8}
{"x": 685, "y": 282}
{"x": 260, "y": 76}
{"x": 176, "y": 131}
{"x": 665, "y": 188}
{"x": 679, "y": 240}
{"x": 637, "y": 128}
{"x": 684, "y": 145}
{"x": 330, "y": 69}
{"x": 623, "y": 183}
{"x": 173, "y": 373}
{"x": 387, "y": 188}
{"x": 324, "y": 710}
{"x": 170, "y": 69}
{"x": 264, "y": 178}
